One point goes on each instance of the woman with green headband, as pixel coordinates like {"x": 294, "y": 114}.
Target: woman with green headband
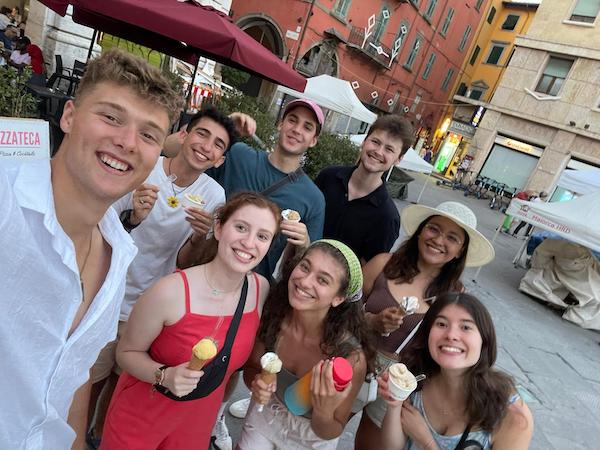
{"x": 313, "y": 314}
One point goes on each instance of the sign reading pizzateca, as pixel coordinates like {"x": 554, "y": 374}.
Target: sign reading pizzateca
{"x": 23, "y": 140}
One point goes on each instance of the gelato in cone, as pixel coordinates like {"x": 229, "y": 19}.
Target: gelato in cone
{"x": 203, "y": 351}
{"x": 271, "y": 366}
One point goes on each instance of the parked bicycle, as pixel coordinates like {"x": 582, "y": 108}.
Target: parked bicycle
{"x": 496, "y": 198}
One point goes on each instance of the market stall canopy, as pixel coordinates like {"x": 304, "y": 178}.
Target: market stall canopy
{"x": 580, "y": 181}
{"x": 575, "y": 220}
{"x": 334, "y": 94}
{"x": 410, "y": 161}
{"x": 184, "y": 30}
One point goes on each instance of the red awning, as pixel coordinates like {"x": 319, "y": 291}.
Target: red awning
{"x": 183, "y": 30}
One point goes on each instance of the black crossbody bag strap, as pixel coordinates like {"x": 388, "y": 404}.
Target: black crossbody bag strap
{"x": 463, "y": 438}
{"x": 215, "y": 370}
{"x": 291, "y": 177}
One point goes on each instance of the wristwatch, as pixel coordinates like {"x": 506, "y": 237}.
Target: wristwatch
{"x": 124, "y": 217}
{"x": 159, "y": 375}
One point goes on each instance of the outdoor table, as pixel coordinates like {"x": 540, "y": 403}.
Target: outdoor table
{"x": 52, "y": 102}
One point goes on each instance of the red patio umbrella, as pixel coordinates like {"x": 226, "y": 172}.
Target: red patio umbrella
{"x": 183, "y": 30}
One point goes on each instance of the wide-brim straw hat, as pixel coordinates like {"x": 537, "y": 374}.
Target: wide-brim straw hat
{"x": 480, "y": 251}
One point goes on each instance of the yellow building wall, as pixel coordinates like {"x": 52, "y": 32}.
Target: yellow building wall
{"x": 486, "y": 35}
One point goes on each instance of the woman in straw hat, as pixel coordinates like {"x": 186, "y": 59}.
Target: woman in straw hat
{"x": 312, "y": 315}
{"x": 444, "y": 240}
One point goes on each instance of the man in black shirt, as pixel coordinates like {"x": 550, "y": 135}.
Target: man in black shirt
{"x": 358, "y": 208}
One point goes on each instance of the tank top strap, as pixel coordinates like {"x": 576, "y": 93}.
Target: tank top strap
{"x": 186, "y": 286}
{"x": 257, "y": 283}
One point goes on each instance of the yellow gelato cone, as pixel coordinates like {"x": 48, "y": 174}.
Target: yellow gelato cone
{"x": 203, "y": 351}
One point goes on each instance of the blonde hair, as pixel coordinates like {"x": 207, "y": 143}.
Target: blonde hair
{"x": 128, "y": 70}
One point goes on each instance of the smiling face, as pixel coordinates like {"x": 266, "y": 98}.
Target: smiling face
{"x": 380, "y": 151}
{"x": 205, "y": 144}
{"x": 316, "y": 281}
{"x": 245, "y": 237}
{"x": 441, "y": 240}
{"x": 113, "y": 137}
{"x": 454, "y": 340}
{"x": 297, "y": 131}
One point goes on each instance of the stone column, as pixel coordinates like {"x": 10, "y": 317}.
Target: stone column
{"x": 58, "y": 35}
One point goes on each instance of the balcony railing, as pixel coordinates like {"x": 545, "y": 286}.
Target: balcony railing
{"x": 372, "y": 48}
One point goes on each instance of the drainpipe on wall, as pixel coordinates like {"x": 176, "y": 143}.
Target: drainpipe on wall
{"x": 304, "y": 27}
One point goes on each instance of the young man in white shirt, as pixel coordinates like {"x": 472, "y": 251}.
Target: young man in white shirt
{"x": 65, "y": 253}
{"x": 160, "y": 222}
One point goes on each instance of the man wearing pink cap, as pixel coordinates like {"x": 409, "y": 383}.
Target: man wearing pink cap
{"x": 278, "y": 176}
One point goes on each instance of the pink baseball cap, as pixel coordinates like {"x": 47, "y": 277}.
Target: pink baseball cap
{"x": 310, "y": 105}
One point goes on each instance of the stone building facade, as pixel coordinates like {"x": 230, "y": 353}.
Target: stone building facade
{"x": 544, "y": 116}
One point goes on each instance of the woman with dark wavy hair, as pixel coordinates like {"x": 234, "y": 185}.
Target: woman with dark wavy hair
{"x": 311, "y": 316}
{"x": 463, "y": 402}
{"x": 443, "y": 241}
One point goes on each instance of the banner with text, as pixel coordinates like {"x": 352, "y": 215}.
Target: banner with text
{"x": 23, "y": 140}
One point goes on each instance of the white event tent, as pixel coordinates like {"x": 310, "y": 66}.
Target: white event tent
{"x": 575, "y": 220}
{"x": 334, "y": 94}
{"x": 580, "y": 181}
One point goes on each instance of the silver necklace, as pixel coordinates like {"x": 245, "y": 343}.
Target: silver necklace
{"x": 218, "y": 292}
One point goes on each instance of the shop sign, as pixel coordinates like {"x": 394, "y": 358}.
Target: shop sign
{"x": 23, "y": 140}
{"x": 477, "y": 116}
{"x": 519, "y": 146}
{"x": 464, "y": 129}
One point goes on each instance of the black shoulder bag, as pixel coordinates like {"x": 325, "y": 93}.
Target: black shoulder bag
{"x": 215, "y": 370}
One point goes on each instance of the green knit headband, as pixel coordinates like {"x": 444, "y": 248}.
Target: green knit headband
{"x": 355, "y": 282}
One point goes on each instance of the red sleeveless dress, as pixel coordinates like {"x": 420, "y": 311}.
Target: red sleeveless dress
{"x": 139, "y": 418}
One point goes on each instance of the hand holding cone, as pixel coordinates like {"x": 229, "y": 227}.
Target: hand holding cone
{"x": 203, "y": 351}
{"x": 271, "y": 366}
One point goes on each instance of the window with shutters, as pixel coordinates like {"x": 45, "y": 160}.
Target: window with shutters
{"x": 495, "y": 53}
{"x": 447, "y": 21}
{"x": 554, "y": 75}
{"x": 510, "y": 22}
{"x": 429, "y": 65}
{"x": 585, "y": 11}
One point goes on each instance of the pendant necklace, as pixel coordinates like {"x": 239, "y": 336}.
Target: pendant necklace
{"x": 172, "y": 200}
{"x": 218, "y": 292}
{"x": 85, "y": 260}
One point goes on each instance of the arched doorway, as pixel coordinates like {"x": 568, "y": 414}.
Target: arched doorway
{"x": 267, "y": 33}
{"x": 320, "y": 59}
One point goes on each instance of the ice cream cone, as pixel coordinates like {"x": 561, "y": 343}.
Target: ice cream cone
{"x": 268, "y": 377}
{"x": 271, "y": 366}
{"x": 196, "y": 363}
{"x": 203, "y": 351}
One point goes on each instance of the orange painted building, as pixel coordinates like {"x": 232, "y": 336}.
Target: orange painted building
{"x": 400, "y": 56}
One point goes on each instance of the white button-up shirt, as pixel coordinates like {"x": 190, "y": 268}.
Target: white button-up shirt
{"x": 40, "y": 293}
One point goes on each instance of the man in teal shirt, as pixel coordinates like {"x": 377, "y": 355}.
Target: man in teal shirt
{"x": 248, "y": 169}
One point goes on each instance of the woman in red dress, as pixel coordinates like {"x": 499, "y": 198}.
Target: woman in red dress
{"x": 160, "y": 403}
